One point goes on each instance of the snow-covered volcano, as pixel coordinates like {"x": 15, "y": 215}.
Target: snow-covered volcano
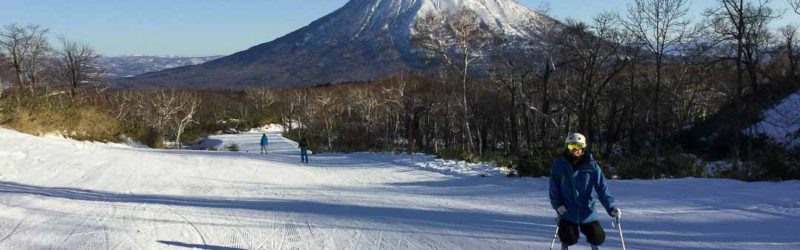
{"x": 365, "y": 39}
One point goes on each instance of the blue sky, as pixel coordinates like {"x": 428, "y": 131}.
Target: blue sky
{"x": 221, "y": 27}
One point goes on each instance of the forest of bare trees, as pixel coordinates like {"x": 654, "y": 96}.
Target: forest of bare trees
{"x": 63, "y": 90}
{"x": 649, "y": 87}
{"x": 655, "y": 90}
{"x": 29, "y": 62}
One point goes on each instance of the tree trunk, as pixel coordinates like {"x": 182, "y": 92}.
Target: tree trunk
{"x": 659, "y": 61}
{"x": 514, "y": 121}
{"x": 791, "y": 58}
{"x": 466, "y": 111}
{"x": 545, "y": 97}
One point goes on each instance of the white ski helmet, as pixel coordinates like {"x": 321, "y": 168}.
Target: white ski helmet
{"x": 575, "y": 138}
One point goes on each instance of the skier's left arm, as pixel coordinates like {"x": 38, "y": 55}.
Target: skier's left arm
{"x": 602, "y": 191}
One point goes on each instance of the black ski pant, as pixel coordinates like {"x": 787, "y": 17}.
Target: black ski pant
{"x": 568, "y": 232}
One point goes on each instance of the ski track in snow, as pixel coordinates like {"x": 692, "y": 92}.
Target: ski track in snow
{"x": 61, "y": 194}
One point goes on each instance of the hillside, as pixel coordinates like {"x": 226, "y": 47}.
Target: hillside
{"x": 363, "y": 40}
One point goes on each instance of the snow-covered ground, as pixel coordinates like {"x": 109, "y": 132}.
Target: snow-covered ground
{"x": 782, "y": 122}
{"x": 63, "y": 194}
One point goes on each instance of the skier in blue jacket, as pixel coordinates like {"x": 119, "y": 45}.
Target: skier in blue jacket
{"x": 303, "y": 145}
{"x": 573, "y": 176}
{"x": 264, "y": 143}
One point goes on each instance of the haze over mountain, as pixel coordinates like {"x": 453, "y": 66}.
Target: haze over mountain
{"x": 365, "y": 39}
{"x": 127, "y": 66}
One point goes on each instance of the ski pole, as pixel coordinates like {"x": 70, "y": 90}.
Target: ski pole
{"x": 555, "y": 234}
{"x": 619, "y": 229}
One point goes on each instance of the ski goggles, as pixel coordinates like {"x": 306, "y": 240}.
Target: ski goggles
{"x": 574, "y": 146}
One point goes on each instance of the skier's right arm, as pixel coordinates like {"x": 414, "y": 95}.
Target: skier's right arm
{"x": 555, "y": 186}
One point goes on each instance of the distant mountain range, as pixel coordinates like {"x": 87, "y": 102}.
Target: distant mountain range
{"x": 364, "y": 40}
{"x": 128, "y": 66}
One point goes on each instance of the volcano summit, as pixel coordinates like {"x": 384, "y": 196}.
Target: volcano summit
{"x": 365, "y": 39}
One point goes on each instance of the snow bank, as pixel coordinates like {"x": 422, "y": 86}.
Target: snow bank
{"x": 781, "y": 123}
{"x": 431, "y": 163}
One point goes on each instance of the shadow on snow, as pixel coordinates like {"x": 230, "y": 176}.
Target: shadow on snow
{"x": 514, "y": 227}
{"x": 197, "y": 246}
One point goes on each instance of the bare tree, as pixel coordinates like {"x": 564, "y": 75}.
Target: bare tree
{"x": 789, "y": 33}
{"x": 76, "y": 64}
{"x": 288, "y": 109}
{"x": 122, "y": 104}
{"x": 167, "y": 112}
{"x": 2, "y": 74}
{"x": 26, "y": 49}
{"x": 394, "y": 100}
{"x": 262, "y": 98}
{"x": 547, "y": 35}
{"x": 187, "y": 107}
{"x": 595, "y": 57}
{"x": 366, "y": 103}
{"x": 458, "y": 39}
{"x": 510, "y": 71}
{"x": 795, "y": 5}
{"x": 326, "y": 108}
{"x": 660, "y": 26}
{"x": 158, "y": 109}
{"x": 744, "y": 24}
{"x": 301, "y": 113}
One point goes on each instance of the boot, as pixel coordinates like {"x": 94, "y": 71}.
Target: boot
{"x": 595, "y": 247}
{"x": 564, "y": 246}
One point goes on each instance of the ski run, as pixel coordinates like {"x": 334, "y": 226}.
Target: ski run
{"x": 58, "y": 193}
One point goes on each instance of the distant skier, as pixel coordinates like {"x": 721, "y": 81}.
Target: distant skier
{"x": 573, "y": 175}
{"x": 303, "y": 145}
{"x": 264, "y": 143}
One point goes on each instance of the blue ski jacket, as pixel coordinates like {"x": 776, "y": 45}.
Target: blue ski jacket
{"x": 573, "y": 189}
{"x": 264, "y": 140}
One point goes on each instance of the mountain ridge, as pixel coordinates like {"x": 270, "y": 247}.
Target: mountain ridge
{"x": 363, "y": 40}
{"x": 132, "y": 65}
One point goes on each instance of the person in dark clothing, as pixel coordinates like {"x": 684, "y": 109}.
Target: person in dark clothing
{"x": 303, "y": 144}
{"x": 264, "y": 143}
{"x": 573, "y": 176}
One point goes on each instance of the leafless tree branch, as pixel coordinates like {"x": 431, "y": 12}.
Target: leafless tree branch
{"x": 795, "y": 5}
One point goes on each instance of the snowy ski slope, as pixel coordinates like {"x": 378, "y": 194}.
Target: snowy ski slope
{"x": 63, "y": 194}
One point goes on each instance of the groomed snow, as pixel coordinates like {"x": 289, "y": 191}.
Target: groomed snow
{"x": 59, "y": 193}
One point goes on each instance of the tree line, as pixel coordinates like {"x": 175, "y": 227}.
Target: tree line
{"x": 654, "y": 92}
